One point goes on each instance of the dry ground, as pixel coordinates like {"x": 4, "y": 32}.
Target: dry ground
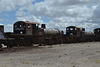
{"x": 64, "y": 55}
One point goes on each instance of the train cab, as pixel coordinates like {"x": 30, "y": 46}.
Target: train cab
{"x": 75, "y": 31}
{"x": 25, "y": 27}
{"x": 97, "y": 31}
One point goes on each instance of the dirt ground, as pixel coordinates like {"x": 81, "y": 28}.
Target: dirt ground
{"x": 63, "y": 55}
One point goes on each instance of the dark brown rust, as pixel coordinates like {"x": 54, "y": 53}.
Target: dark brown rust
{"x": 73, "y": 30}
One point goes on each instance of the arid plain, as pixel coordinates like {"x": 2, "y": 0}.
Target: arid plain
{"x": 61, "y": 55}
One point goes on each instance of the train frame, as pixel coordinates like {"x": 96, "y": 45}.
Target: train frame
{"x": 27, "y": 33}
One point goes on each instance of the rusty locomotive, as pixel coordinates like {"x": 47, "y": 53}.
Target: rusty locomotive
{"x": 27, "y": 33}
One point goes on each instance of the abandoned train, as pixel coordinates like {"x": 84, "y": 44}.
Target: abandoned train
{"x": 27, "y": 33}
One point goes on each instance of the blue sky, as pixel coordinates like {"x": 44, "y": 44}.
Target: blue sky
{"x": 37, "y": 1}
{"x": 9, "y": 17}
{"x": 54, "y": 13}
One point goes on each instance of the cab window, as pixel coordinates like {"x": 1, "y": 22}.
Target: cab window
{"x": 29, "y": 26}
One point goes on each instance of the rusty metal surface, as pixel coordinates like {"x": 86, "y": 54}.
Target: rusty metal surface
{"x": 27, "y": 33}
{"x": 2, "y": 28}
{"x": 28, "y": 28}
{"x": 27, "y": 22}
{"x": 1, "y": 31}
{"x": 43, "y": 26}
{"x": 76, "y": 31}
{"x": 97, "y": 31}
{"x": 89, "y": 33}
{"x": 31, "y": 22}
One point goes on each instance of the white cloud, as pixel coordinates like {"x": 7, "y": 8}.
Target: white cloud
{"x": 8, "y": 5}
{"x": 8, "y": 28}
{"x": 63, "y": 12}
{"x": 96, "y": 13}
{"x": 31, "y": 18}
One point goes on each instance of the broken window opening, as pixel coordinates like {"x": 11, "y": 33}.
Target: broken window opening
{"x": 29, "y": 26}
{"x": 71, "y": 28}
{"x": 21, "y": 32}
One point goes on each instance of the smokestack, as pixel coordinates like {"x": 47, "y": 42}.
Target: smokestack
{"x": 43, "y": 26}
